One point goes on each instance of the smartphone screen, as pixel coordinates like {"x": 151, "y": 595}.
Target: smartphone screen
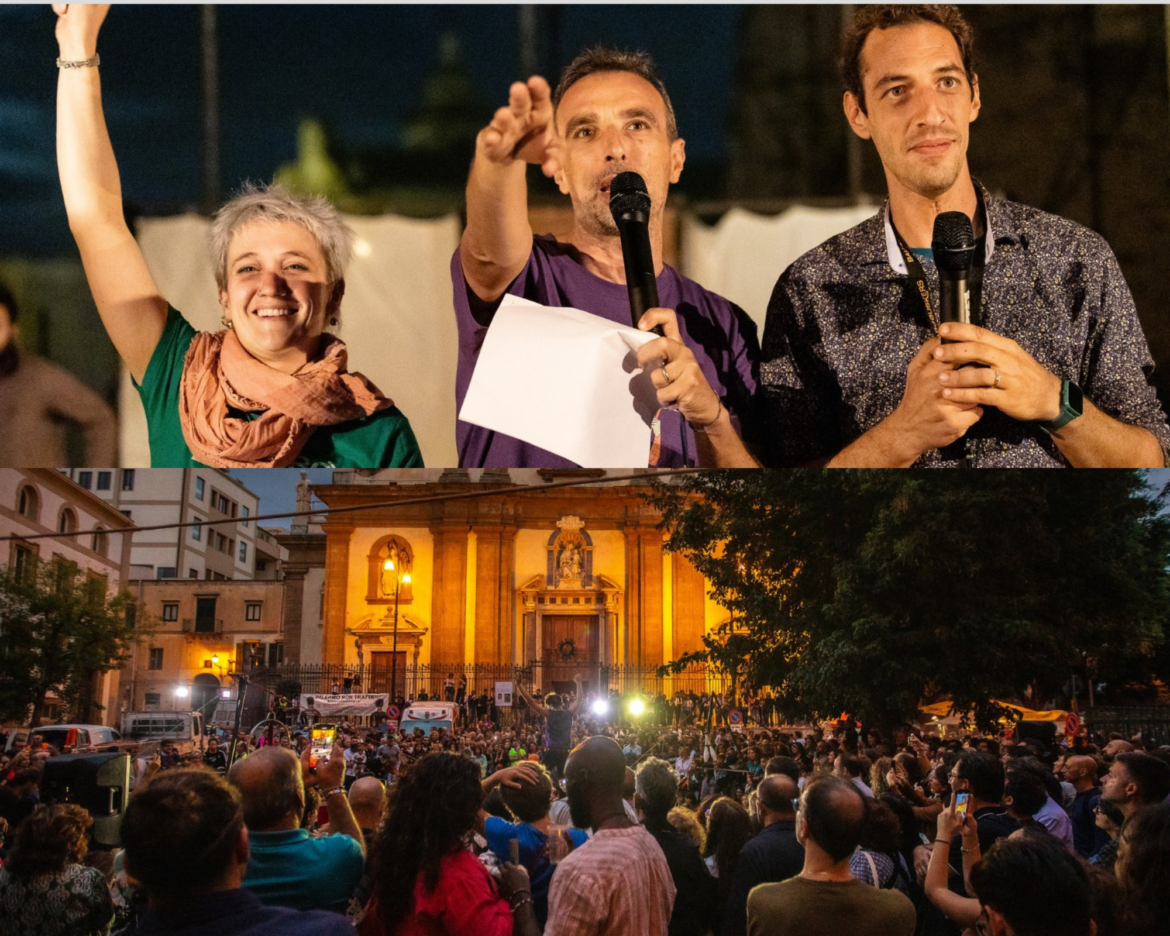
{"x": 961, "y": 802}
{"x": 321, "y": 744}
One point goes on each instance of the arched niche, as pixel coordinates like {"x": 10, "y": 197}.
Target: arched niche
{"x": 380, "y": 582}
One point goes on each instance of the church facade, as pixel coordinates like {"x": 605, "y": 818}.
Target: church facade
{"x": 453, "y": 568}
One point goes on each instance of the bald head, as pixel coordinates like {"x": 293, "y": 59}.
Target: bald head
{"x": 775, "y": 794}
{"x": 595, "y": 774}
{"x": 1081, "y": 771}
{"x": 602, "y": 759}
{"x": 367, "y": 798}
{"x": 270, "y": 785}
{"x": 834, "y": 814}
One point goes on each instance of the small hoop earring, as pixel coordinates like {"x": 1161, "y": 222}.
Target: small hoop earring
{"x": 227, "y": 322}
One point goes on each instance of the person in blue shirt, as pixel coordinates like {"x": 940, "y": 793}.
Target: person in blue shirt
{"x": 529, "y": 802}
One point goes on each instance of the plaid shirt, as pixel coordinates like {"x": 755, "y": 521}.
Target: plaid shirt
{"x": 617, "y": 884}
{"x": 845, "y": 320}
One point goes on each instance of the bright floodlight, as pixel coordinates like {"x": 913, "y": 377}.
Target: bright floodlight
{"x": 181, "y": 691}
{"x": 599, "y": 707}
{"x": 636, "y": 707}
{"x": 225, "y": 693}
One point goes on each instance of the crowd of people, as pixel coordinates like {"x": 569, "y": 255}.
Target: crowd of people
{"x": 565, "y": 824}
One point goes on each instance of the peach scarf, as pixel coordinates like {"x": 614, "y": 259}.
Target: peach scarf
{"x": 218, "y": 373}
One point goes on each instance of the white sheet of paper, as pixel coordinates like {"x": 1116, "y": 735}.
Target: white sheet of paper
{"x": 565, "y": 380}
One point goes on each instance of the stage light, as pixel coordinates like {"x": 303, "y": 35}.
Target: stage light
{"x": 599, "y": 708}
{"x": 637, "y": 707}
{"x": 181, "y": 692}
{"x": 225, "y": 693}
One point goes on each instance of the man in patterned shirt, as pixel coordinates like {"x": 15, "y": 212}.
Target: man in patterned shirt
{"x": 618, "y": 883}
{"x": 855, "y": 371}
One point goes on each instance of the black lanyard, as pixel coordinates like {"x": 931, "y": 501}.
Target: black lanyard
{"x": 918, "y": 275}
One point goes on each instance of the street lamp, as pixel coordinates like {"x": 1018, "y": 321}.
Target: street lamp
{"x": 181, "y": 692}
{"x": 399, "y": 578}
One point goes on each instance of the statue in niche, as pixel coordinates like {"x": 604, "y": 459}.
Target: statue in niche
{"x": 570, "y": 562}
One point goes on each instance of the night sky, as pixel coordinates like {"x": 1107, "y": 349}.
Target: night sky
{"x": 360, "y": 68}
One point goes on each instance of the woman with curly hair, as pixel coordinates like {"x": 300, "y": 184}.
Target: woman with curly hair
{"x": 45, "y": 890}
{"x": 425, "y": 839}
{"x": 1143, "y": 870}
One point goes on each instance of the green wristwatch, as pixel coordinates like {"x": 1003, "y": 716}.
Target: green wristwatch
{"x": 1072, "y": 405}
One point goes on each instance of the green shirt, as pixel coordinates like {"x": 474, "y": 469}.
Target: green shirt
{"x": 382, "y": 440}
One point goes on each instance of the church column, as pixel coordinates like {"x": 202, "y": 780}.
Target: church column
{"x": 644, "y": 595}
{"x": 337, "y": 537}
{"x": 689, "y": 594}
{"x": 449, "y": 593}
{"x": 292, "y": 612}
{"x": 494, "y": 562}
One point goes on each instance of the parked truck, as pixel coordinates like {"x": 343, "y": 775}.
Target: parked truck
{"x": 182, "y": 729}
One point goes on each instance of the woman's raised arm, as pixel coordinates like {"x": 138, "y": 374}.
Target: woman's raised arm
{"x": 125, "y": 293}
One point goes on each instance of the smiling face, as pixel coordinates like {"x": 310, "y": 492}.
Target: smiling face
{"x": 278, "y": 295}
{"x": 920, "y": 106}
{"x": 612, "y": 122}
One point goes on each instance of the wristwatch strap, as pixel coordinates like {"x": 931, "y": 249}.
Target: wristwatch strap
{"x": 1072, "y": 405}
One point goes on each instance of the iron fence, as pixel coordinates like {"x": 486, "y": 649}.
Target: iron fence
{"x": 1151, "y": 721}
{"x": 437, "y": 680}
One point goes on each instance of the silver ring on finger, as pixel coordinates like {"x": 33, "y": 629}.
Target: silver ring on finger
{"x": 998, "y": 378}
{"x": 666, "y": 376}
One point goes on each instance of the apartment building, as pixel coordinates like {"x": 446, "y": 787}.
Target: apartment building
{"x": 205, "y": 632}
{"x": 97, "y": 540}
{"x": 185, "y": 495}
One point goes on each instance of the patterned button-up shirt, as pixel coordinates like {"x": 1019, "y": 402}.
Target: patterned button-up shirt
{"x": 845, "y": 320}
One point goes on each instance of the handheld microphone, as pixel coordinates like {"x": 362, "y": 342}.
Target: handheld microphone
{"x": 629, "y": 203}
{"x": 953, "y": 244}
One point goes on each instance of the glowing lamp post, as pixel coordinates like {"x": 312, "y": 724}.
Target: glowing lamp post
{"x": 399, "y": 578}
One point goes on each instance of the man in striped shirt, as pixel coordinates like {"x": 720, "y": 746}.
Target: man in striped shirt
{"x": 618, "y": 882}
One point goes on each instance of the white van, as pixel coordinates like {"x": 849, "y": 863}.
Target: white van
{"x": 428, "y": 715}
{"x": 183, "y": 729}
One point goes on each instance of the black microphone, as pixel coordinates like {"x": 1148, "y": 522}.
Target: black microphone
{"x": 953, "y": 245}
{"x": 629, "y": 203}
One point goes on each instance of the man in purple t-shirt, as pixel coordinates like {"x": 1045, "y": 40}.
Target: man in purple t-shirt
{"x": 610, "y": 114}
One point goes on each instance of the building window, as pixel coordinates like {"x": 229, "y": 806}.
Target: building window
{"x": 244, "y": 514}
{"x": 103, "y": 480}
{"x": 170, "y": 611}
{"x": 275, "y": 655}
{"x": 151, "y": 701}
{"x": 128, "y": 479}
{"x": 205, "y": 615}
{"x": 198, "y": 489}
{"x": 252, "y": 610}
{"x": 101, "y": 542}
{"x": 67, "y": 523}
{"x": 243, "y": 551}
{"x": 166, "y": 572}
{"x": 29, "y": 503}
{"x": 261, "y": 565}
{"x": 192, "y": 573}
{"x": 197, "y": 532}
{"x": 85, "y": 479}
{"x": 155, "y": 658}
{"x": 24, "y": 561}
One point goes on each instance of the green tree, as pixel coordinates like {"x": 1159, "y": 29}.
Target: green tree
{"x": 872, "y": 592}
{"x": 59, "y": 631}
